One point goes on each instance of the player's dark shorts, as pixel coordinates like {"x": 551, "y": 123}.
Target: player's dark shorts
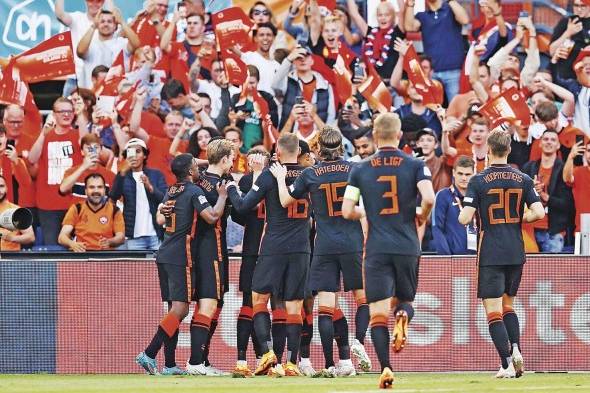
{"x": 283, "y": 276}
{"x": 494, "y": 281}
{"x": 247, "y": 272}
{"x": 173, "y": 282}
{"x": 325, "y": 272}
{"x": 209, "y": 274}
{"x": 388, "y": 275}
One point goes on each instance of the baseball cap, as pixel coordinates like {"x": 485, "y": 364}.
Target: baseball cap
{"x": 426, "y": 131}
{"x": 135, "y": 142}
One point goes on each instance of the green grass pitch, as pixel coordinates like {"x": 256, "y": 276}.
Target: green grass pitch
{"x": 404, "y": 383}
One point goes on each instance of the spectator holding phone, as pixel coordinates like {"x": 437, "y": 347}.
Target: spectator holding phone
{"x": 12, "y": 168}
{"x": 56, "y": 150}
{"x": 73, "y": 182}
{"x": 570, "y": 36}
{"x": 576, "y": 174}
{"x": 142, "y": 190}
{"x": 425, "y": 149}
{"x": 295, "y": 78}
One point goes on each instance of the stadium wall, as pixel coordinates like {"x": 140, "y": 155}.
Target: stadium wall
{"x": 94, "y": 316}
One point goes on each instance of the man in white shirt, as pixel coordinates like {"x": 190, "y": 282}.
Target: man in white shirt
{"x": 100, "y": 46}
{"x": 216, "y": 87}
{"x": 78, "y": 22}
{"x": 264, "y": 36}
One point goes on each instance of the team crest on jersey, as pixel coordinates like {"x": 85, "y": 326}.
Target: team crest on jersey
{"x": 468, "y": 200}
{"x": 202, "y": 199}
{"x": 103, "y": 220}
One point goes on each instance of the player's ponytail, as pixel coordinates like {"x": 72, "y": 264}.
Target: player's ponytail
{"x": 330, "y": 141}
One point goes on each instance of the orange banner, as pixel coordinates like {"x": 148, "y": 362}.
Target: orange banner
{"x": 50, "y": 59}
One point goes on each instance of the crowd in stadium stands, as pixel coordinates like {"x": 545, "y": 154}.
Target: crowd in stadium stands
{"x": 100, "y": 167}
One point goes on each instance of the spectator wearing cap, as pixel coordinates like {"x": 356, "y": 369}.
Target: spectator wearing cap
{"x": 547, "y": 174}
{"x": 96, "y": 224}
{"x": 142, "y": 190}
{"x": 577, "y": 177}
{"x": 417, "y": 107}
{"x": 570, "y": 36}
{"x": 441, "y": 24}
{"x": 73, "y": 182}
{"x": 295, "y": 79}
{"x": 264, "y": 36}
{"x": 449, "y": 237}
{"x": 427, "y": 142}
{"x": 56, "y": 150}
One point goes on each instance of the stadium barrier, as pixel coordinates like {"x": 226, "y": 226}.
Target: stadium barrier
{"x": 94, "y": 316}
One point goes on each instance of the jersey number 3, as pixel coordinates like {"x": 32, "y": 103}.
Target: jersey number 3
{"x": 504, "y": 199}
{"x": 391, "y": 195}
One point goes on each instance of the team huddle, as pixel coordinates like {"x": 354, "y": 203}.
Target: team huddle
{"x": 306, "y": 227}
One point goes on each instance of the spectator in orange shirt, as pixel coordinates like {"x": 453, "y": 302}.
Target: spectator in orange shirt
{"x": 97, "y": 223}
{"x": 12, "y": 168}
{"x": 556, "y": 197}
{"x": 427, "y": 141}
{"x": 73, "y": 181}
{"x": 578, "y": 178}
{"x": 475, "y": 145}
{"x": 56, "y": 150}
{"x": 240, "y": 166}
{"x": 12, "y": 240}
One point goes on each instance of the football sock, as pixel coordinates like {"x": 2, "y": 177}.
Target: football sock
{"x": 407, "y": 307}
{"x": 279, "y": 332}
{"x": 294, "y": 326}
{"x": 170, "y": 344}
{"x": 499, "y": 337}
{"x": 326, "y": 328}
{"x": 361, "y": 320}
{"x": 380, "y": 337}
{"x": 341, "y": 334}
{"x": 261, "y": 323}
{"x": 212, "y": 329}
{"x": 168, "y": 326}
{"x": 512, "y": 325}
{"x": 306, "y": 335}
{"x": 200, "y": 325}
{"x": 244, "y": 331}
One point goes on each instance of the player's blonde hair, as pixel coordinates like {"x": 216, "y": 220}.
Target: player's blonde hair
{"x": 499, "y": 143}
{"x": 288, "y": 142}
{"x": 387, "y": 127}
{"x": 217, "y": 149}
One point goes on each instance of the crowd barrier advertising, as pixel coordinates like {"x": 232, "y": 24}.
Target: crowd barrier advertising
{"x": 94, "y": 316}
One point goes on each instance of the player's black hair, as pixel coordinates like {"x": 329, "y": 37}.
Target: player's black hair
{"x": 181, "y": 166}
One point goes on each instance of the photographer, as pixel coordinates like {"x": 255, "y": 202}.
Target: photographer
{"x": 12, "y": 240}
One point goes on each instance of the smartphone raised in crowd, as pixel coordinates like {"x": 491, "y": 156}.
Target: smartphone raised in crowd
{"x": 11, "y": 142}
{"x": 299, "y": 100}
{"x": 131, "y": 153}
{"x": 578, "y": 160}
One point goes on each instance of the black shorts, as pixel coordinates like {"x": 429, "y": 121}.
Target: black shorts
{"x": 387, "y": 275}
{"x": 209, "y": 275}
{"x": 283, "y": 276}
{"x": 173, "y": 282}
{"x": 325, "y": 272}
{"x": 494, "y": 281}
{"x": 247, "y": 272}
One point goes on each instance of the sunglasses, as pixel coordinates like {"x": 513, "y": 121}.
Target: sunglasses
{"x": 261, "y": 12}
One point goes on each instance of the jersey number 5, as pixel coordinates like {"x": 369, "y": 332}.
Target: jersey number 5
{"x": 504, "y": 198}
{"x": 331, "y": 190}
{"x": 391, "y": 194}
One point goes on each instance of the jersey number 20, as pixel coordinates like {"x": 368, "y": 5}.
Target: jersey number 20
{"x": 504, "y": 199}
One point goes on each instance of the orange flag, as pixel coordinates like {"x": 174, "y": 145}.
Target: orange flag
{"x": 232, "y": 26}
{"x": 510, "y": 106}
{"x": 50, "y": 59}
{"x": 125, "y": 101}
{"x": 375, "y": 92}
{"x": 110, "y": 85}
{"x": 237, "y": 71}
{"x": 416, "y": 75}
